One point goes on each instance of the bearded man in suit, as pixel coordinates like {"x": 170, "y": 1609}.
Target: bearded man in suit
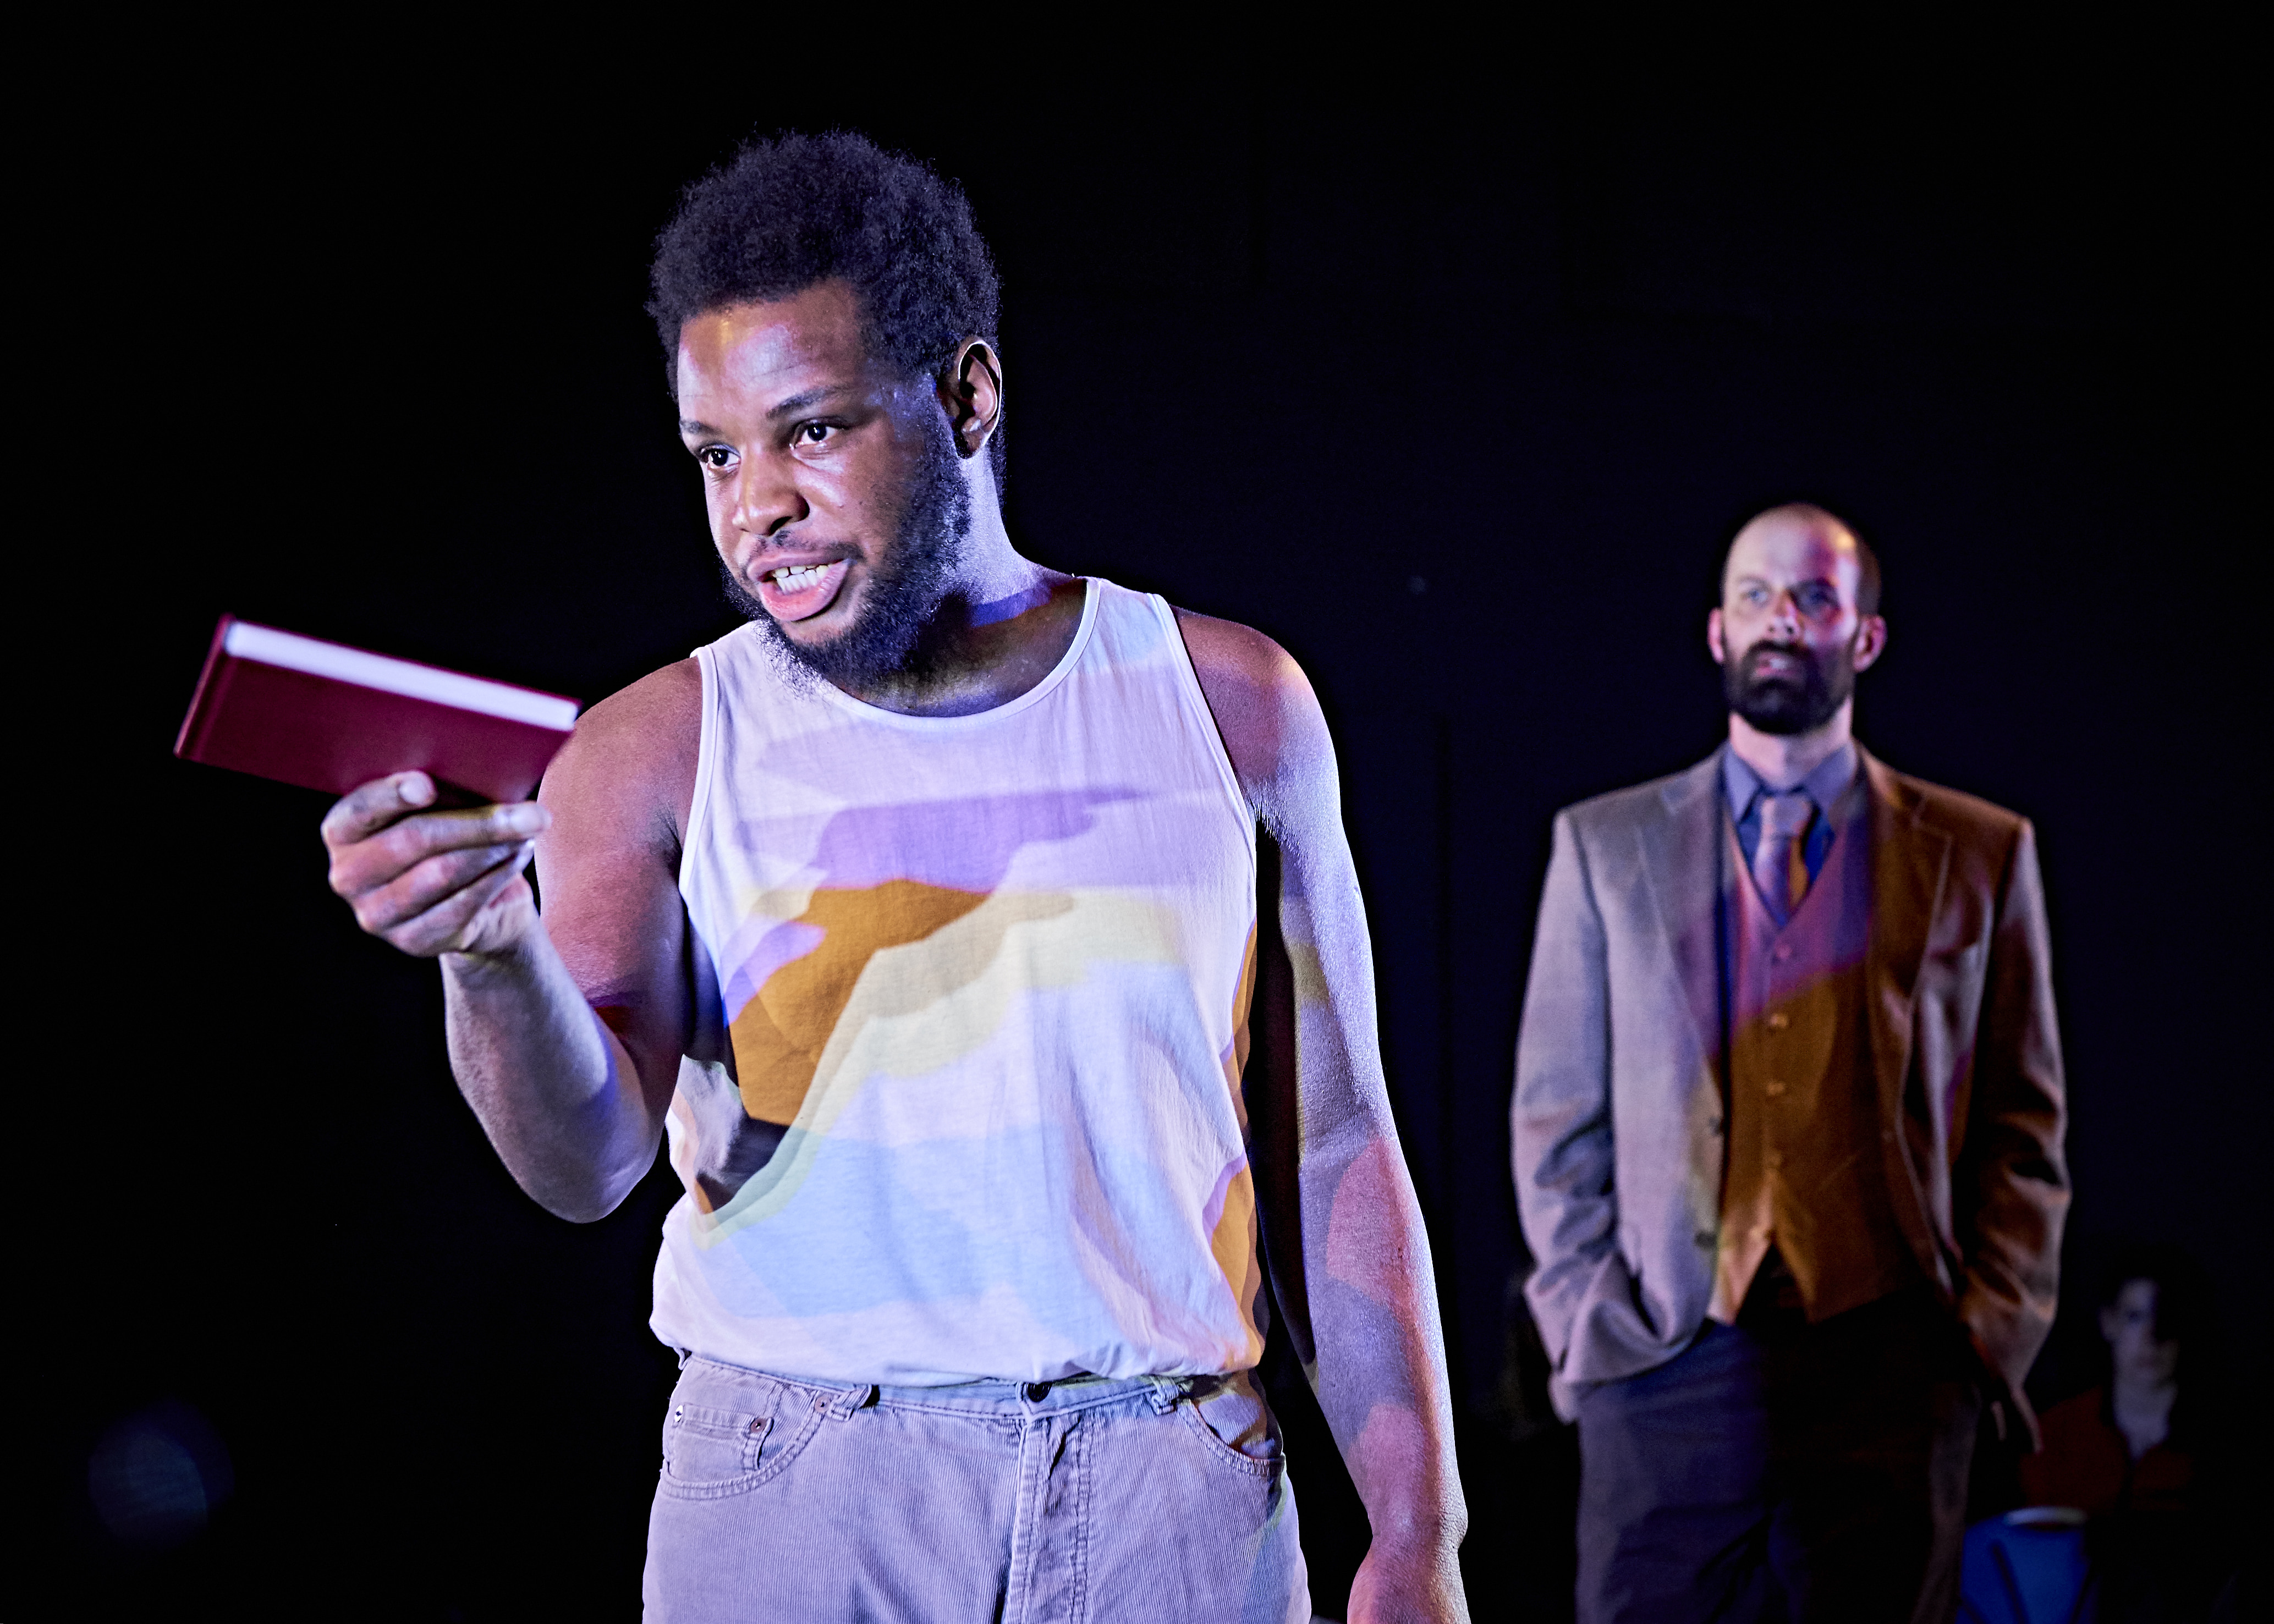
{"x": 1787, "y": 1135}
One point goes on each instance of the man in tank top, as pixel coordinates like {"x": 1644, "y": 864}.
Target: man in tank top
{"x": 931, "y": 915}
{"x": 1788, "y": 1136}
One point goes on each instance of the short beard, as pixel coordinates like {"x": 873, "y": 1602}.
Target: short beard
{"x": 1782, "y": 705}
{"x": 901, "y": 600}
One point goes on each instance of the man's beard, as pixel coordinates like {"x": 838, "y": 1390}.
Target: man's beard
{"x": 900, "y": 599}
{"x": 1786, "y": 704}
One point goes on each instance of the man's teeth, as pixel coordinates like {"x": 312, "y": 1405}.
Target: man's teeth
{"x": 797, "y": 578}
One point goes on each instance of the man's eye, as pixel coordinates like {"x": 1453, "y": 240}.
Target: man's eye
{"x": 814, "y": 433}
{"x": 715, "y": 456}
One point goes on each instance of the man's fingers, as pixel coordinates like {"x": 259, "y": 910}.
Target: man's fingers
{"x": 431, "y": 883}
{"x": 454, "y": 922}
{"x": 383, "y": 808}
{"x": 378, "y": 858}
{"x": 374, "y": 805}
{"x": 418, "y": 877}
{"x": 422, "y": 836}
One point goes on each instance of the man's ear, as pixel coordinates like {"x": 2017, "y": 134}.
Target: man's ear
{"x": 971, "y": 394}
{"x": 1870, "y": 641}
{"x": 2109, "y": 1321}
{"x": 1714, "y": 637}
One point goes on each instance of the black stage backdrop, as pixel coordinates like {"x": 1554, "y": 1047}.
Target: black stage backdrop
{"x": 1453, "y": 381}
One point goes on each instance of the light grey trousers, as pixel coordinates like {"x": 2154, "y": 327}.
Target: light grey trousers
{"x": 1157, "y": 1501}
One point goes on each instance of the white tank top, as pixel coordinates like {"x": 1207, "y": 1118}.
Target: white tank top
{"x": 972, "y": 1001}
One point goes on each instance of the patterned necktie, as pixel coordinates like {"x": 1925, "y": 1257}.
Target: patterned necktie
{"x": 1780, "y": 868}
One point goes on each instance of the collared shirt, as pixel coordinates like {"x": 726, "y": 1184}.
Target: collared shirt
{"x": 1828, "y": 787}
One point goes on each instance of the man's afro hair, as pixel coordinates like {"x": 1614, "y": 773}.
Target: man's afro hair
{"x": 801, "y": 209}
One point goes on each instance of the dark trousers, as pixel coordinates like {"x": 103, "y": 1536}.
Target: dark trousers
{"x": 1778, "y": 1470}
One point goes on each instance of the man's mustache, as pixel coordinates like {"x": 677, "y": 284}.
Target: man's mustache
{"x": 1750, "y": 666}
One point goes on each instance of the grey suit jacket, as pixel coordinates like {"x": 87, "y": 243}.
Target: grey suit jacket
{"x": 1617, "y": 1119}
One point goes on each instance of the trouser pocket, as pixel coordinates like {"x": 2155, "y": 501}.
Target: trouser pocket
{"x": 729, "y": 1432}
{"x": 1229, "y": 1416}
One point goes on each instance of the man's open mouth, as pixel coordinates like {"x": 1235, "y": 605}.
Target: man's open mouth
{"x": 800, "y": 591}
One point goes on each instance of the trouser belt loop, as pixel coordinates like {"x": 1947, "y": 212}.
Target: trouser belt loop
{"x": 851, "y": 1400}
{"x": 1166, "y": 1391}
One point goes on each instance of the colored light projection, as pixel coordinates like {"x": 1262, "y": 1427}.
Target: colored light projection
{"x": 974, "y": 1074}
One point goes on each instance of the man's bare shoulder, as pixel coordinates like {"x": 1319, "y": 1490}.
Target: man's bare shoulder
{"x": 1265, "y": 711}
{"x": 658, "y": 707}
{"x": 1225, "y": 649}
{"x": 635, "y": 752}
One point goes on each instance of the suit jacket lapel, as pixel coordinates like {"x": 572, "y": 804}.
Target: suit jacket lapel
{"x": 1909, "y": 860}
{"x": 1682, "y": 863}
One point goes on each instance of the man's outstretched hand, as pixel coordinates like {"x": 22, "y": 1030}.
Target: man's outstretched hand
{"x": 554, "y": 1088}
{"x": 433, "y": 882}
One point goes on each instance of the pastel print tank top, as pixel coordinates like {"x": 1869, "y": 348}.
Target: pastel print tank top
{"x": 972, "y": 996}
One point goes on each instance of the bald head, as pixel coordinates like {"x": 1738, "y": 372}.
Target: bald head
{"x": 1805, "y": 523}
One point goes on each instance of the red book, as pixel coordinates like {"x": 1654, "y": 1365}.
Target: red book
{"x": 328, "y": 716}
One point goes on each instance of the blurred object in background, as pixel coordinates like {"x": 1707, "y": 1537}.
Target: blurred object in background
{"x": 157, "y": 1476}
{"x": 1520, "y": 1469}
{"x": 1520, "y": 1398}
{"x": 2130, "y": 1472}
{"x": 2125, "y": 1443}
{"x": 2027, "y": 1567}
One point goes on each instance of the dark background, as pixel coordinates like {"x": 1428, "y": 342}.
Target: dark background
{"x": 1450, "y": 366}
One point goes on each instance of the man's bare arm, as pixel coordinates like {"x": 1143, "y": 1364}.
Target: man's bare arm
{"x": 565, "y": 1031}
{"x": 1360, "y": 1262}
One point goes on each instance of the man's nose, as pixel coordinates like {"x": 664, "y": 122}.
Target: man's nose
{"x": 766, "y": 499}
{"x": 1784, "y": 616}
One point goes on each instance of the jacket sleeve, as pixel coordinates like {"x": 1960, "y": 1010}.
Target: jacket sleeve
{"x": 2011, "y": 1183}
{"x": 1560, "y": 1122}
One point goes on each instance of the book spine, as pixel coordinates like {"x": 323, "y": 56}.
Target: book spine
{"x": 213, "y": 687}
